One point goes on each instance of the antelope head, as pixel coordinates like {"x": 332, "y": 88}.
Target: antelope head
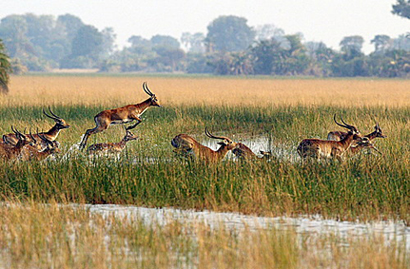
{"x": 378, "y": 132}
{"x": 130, "y": 136}
{"x": 60, "y": 123}
{"x": 366, "y": 142}
{"x": 226, "y": 142}
{"x": 154, "y": 100}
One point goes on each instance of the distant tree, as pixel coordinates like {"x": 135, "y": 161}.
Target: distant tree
{"x": 136, "y": 41}
{"x": 5, "y": 69}
{"x": 193, "y": 42}
{"x": 229, "y": 34}
{"x": 165, "y": 41}
{"x": 87, "y": 42}
{"x": 108, "y": 44}
{"x": 71, "y": 25}
{"x": 268, "y": 31}
{"x": 402, "y": 8}
{"x": 381, "y": 43}
{"x": 13, "y": 30}
{"x": 265, "y": 54}
{"x": 351, "y": 46}
{"x": 321, "y": 58}
{"x": 402, "y": 42}
{"x": 169, "y": 58}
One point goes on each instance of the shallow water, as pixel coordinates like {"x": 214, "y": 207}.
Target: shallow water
{"x": 314, "y": 225}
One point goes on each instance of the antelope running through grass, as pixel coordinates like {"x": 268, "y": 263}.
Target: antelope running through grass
{"x": 318, "y": 149}
{"x": 10, "y": 151}
{"x": 50, "y": 135}
{"x": 110, "y": 148}
{"x": 187, "y": 146}
{"x": 36, "y": 152}
{"x": 358, "y": 146}
{"x": 121, "y": 115}
{"x": 243, "y": 152}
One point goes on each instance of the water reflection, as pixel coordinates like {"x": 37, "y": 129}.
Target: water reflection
{"x": 302, "y": 225}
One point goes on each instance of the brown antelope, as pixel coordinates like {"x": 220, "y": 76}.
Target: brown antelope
{"x": 242, "y": 152}
{"x": 36, "y": 152}
{"x": 359, "y": 145}
{"x": 112, "y": 147}
{"x": 51, "y": 134}
{"x": 120, "y": 115}
{"x": 317, "y": 148}
{"x": 188, "y": 146}
{"x": 10, "y": 151}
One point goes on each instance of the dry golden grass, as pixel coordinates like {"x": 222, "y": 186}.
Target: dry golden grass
{"x": 117, "y": 91}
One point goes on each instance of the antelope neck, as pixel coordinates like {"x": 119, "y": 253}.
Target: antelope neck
{"x": 347, "y": 141}
{"x": 53, "y": 132}
{"x": 144, "y": 105}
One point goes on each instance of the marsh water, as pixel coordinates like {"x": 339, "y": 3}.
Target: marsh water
{"x": 308, "y": 225}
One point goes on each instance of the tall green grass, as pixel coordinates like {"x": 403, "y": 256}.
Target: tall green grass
{"x": 366, "y": 186}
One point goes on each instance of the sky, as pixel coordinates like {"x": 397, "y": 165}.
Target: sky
{"x": 318, "y": 20}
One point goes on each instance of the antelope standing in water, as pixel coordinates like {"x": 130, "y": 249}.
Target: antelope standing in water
{"x": 50, "y": 135}
{"x": 188, "y": 146}
{"x": 110, "y": 148}
{"x": 242, "y": 152}
{"x": 121, "y": 115}
{"x": 358, "y": 146}
{"x": 317, "y": 148}
{"x": 10, "y": 151}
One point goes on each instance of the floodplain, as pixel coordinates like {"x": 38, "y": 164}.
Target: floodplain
{"x": 269, "y": 114}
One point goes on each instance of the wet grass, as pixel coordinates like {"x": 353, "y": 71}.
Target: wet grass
{"x": 51, "y": 235}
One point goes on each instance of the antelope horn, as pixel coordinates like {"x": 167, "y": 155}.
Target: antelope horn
{"x": 377, "y": 125}
{"x": 51, "y": 117}
{"x": 32, "y": 137}
{"x": 18, "y": 134}
{"x": 334, "y": 118}
{"x": 208, "y": 134}
{"x": 347, "y": 125}
{"x": 146, "y": 90}
{"x": 57, "y": 117}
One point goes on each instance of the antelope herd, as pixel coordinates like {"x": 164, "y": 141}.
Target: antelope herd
{"x": 40, "y": 145}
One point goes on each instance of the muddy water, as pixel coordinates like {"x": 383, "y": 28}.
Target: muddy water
{"x": 314, "y": 225}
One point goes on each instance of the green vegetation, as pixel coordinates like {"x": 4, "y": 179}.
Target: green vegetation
{"x": 364, "y": 187}
{"x": 230, "y": 47}
{"x": 44, "y": 236}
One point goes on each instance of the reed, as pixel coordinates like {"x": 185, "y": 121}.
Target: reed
{"x": 70, "y": 236}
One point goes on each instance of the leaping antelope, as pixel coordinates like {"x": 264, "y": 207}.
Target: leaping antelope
{"x": 121, "y": 115}
{"x": 112, "y": 147}
{"x": 188, "y": 146}
{"x": 317, "y": 148}
{"x": 359, "y": 145}
{"x": 51, "y": 134}
{"x": 10, "y": 151}
{"x": 242, "y": 152}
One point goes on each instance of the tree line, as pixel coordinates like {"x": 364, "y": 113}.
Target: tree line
{"x": 230, "y": 47}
